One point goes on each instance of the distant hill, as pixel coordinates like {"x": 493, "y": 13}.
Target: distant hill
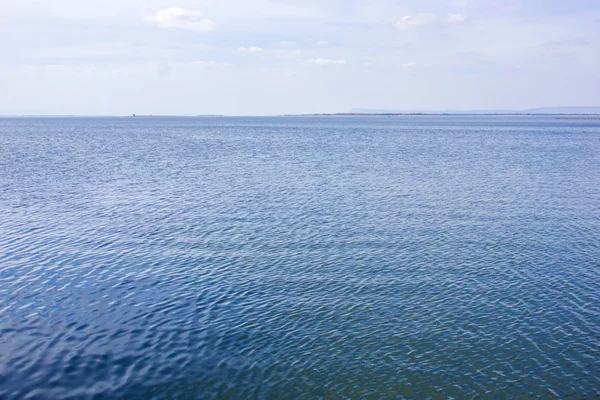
{"x": 540, "y": 110}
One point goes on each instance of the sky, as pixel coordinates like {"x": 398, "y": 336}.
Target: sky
{"x": 270, "y": 57}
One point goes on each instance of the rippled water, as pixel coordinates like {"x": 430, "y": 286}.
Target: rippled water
{"x": 427, "y": 257}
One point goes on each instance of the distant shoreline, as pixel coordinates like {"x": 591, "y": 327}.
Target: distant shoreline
{"x": 311, "y": 115}
{"x": 434, "y": 114}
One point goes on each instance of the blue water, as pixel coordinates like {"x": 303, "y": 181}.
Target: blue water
{"x": 314, "y": 257}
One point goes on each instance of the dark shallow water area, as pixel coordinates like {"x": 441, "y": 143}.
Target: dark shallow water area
{"x": 338, "y": 257}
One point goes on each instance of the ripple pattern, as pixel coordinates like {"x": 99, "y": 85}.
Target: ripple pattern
{"x": 276, "y": 258}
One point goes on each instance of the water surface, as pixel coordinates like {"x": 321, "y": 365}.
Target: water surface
{"x": 315, "y": 257}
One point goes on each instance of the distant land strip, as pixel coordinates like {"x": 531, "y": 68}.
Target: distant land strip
{"x": 581, "y": 118}
{"x": 401, "y": 114}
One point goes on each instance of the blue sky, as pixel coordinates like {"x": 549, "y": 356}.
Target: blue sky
{"x": 295, "y": 56}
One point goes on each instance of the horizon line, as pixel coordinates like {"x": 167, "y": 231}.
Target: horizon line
{"x": 415, "y": 113}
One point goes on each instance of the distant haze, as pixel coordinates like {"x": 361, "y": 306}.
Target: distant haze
{"x": 273, "y": 57}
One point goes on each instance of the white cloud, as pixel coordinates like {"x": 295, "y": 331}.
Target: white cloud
{"x": 251, "y": 49}
{"x": 409, "y": 65}
{"x": 326, "y": 62}
{"x": 418, "y": 21}
{"x": 180, "y": 18}
{"x": 321, "y": 43}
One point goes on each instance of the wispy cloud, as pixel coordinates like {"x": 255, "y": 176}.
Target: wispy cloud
{"x": 420, "y": 20}
{"x": 162, "y": 68}
{"x": 285, "y": 43}
{"x": 409, "y": 64}
{"x": 181, "y": 18}
{"x": 455, "y": 18}
{"x": 511, "y": 8}
{"x": 251, "y": 49}
{"x": 412, "y": 22}
{"x": 326, "y": 62}
{"x": 568, "y": 43}
{"x": 59, "y": 67}
{"x": 199, "y": 63}
{"x": 287, "y": 53}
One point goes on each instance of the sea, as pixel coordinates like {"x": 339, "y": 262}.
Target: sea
{"x": 313, "y": 257}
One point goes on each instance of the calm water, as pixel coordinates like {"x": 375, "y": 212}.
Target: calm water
{"x": 413, "y": 257}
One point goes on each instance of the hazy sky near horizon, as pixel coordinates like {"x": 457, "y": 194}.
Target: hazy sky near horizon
{"x": 117, "y": 57}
